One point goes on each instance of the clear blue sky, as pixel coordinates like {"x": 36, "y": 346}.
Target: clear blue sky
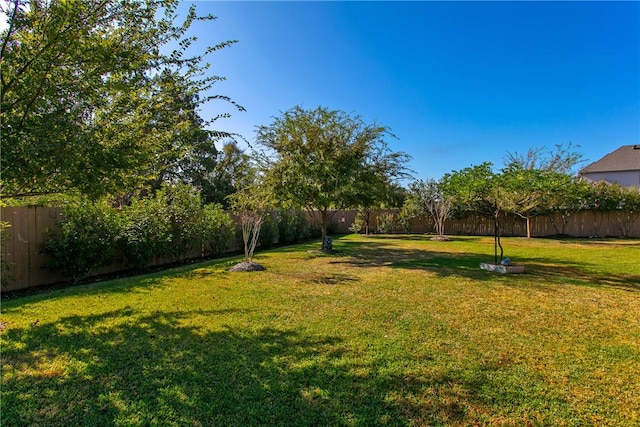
{"x": 459, "y": 83}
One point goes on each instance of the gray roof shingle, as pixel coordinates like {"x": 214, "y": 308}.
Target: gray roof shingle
{"x": 624, "y": 158}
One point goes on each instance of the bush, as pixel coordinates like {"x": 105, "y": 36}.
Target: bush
{"x": 4, "y": 265}
{"x": 332, "y": 226}
{"x": 312, "y": 231}
{"x": 359, "y": 223}
{"x": 268, "y": 232}
{"x": 292, "y": 227}
{"x": 175, "y": 223}
{"x": 183, "y": 210}
{"x": 389, "y": 223}
{"x": 402, "y": 222}
{"x": 385, "y": 223}
{"x": 86, "y": 240}
{"x": 217, "y": 230}
{"x": 145, "y": 232}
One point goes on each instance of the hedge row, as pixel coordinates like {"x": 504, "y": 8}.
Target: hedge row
{"x": 172, "y": 225}
{"x": 285, "y": 228}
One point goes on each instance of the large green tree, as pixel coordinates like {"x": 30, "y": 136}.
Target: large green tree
{"x": 232, "y": 167}
{"x": 477, "y": 189}
{"x": 531, "y": 192}
{"x": 538, "y": 181}
{"x": 470, "y": 189}
{"x": 186, "y": 150}
{"x": 323, "y": 160}
{"x": 96, "y": 95}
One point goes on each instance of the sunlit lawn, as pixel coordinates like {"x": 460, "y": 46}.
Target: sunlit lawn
{"x": 389, "y": 331}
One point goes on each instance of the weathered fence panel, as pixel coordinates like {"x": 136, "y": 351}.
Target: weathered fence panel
{"x": 23, "y": 261}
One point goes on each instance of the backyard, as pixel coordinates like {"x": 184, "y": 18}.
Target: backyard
{"x": 389, "y": 330}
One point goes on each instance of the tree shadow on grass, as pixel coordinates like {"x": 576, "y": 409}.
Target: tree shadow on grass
{"x": 126, "y": 368}
{"x": 545, "y": 270}
{"x": 539, "y": 271}
{"x": 129, "y": 284}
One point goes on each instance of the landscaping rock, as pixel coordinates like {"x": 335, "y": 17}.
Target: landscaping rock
{"x": 247, "y": 266}
{"x": 503, "y": 269}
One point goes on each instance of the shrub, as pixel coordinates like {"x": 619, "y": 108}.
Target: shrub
{"x": 332, "y": 226}
{"x": 385, "y": 223}
{"x": 359, "y": 223}
{"x": 86, "y": 240}
{"x": 402, "y": 222}
{"x": 183, "y": 209}
{"x": 268, "y": 231}
{"x": 312, "y": 231}
{"x": 145, "y": 232}
{"x": 390, "y": 223}
{"x": 292, "y": 227}
{"x": 217, "y": 230}
{"x": 173, "y": 222}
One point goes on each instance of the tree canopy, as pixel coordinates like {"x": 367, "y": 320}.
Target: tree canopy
{"x": 428, "y": 198}
{"x": 101, "y": 96}
{"x": 470, "y": 188}
{"x": 327, "y": 159}
{"x": 531, "y": 192}
{"x": 562, "y": 160}
{"x": 232, "y": 167}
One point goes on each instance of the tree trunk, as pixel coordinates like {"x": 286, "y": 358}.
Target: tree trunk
{"x": 323, "y": 223}
{"x": 528, "y": 227}
{"x": 367, "y": 217}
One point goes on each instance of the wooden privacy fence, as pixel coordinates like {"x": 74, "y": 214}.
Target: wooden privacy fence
{"x": 23, "y": 262}
{"x": 22, "y": 258}
{"x": 574, "y": 224}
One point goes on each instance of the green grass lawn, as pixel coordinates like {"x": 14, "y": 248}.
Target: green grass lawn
{"x": 389, "y": 331}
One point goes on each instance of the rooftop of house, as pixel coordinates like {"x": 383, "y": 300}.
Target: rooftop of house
{"x": 625, "y": 158}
